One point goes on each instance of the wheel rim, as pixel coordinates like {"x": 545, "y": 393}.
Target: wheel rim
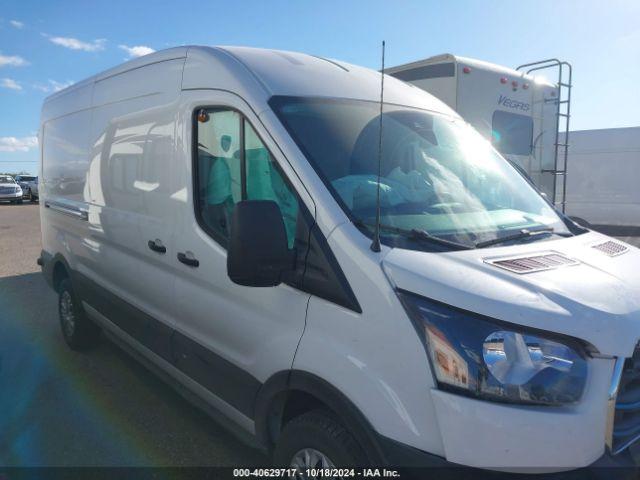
{"x": 308, "y": 458}
{"x": 66, "y": 314}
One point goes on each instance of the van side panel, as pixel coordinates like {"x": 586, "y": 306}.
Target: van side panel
{"x": 65, "y": 162}
{"x": 161, "y": 81}
{"x": 133, "y": 150}
{"x": 73, "y": 99}
{"x": 66, "y": 153}
{"x": 112, "y": 163}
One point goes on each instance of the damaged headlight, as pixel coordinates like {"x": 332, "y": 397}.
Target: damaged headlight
{"x": 494, "y": 360}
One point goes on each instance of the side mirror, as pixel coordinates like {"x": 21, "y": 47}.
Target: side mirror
{"x": 258, "y": 250}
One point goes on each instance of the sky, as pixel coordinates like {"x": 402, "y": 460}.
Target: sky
{"x": 47, "y": 45}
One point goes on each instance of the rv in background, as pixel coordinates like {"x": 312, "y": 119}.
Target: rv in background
{"x": 524, "y": 116}
{"x": 602, "y": 186}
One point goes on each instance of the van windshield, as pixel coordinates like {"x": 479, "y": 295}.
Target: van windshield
{"x": 6, "y": 179}
{"x": 438, "y": 174}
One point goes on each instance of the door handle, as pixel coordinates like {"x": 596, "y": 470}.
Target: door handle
{"x": 187, "y": 259}
{"x": 156, "y": 246}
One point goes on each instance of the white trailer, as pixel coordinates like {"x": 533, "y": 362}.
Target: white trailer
{"x": 524, "y": 116}
{"x": 603, "y": 185}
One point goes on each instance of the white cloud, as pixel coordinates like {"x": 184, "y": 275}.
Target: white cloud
{"x": 629, "y": 41}
{"x": 137, "y": 51}
{"x": 12, "y": 61}
{"x": 14, "y": 144}
{"x": 16, "y": 23}
{"x": 53, "y": 86}
{"x": 75, "y": 44}
{"x": 10, "y": 84}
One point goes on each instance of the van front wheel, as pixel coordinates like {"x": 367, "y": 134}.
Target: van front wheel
{"x": 78, "y": 331}
{"x": 315, "y": 440}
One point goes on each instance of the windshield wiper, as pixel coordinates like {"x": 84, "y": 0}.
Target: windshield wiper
{"x": 417, "y": 234}
{"x": 524, "y": 233}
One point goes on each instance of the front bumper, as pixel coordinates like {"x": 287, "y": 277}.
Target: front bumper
{"x": 414, "y": 463}
{"x": 519, "y": 438}
{"x": 485, "y": 436}
{"x": 11, "y": 196}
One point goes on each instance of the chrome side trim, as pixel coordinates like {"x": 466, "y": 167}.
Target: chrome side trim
{"x": 67, "y": 210}
{"x": 611, "y": 404}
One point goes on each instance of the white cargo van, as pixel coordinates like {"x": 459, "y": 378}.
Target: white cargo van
{"x": 213, "y": 210}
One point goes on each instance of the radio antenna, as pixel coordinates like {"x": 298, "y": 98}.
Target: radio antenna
{"x": 375, "y": 245}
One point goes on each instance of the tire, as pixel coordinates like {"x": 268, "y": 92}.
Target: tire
{"x": 317, "y": 431}
{"x": 19, "y": 202}
{"x": 78, "y": 331}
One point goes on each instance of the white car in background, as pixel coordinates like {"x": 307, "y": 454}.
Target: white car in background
{"x": 10, "y": 190}
{"x": 29, "y": 185}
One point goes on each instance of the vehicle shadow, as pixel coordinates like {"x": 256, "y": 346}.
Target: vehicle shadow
{"x": 100, "y": 408}
{"x": 25, "y": 203}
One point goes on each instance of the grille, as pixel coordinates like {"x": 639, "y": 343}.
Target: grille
{"x": 611, "y": 248}
{"x": 7, "y": 189}
{"x": 532, "y": 263}
{"x": 626, "y": 423}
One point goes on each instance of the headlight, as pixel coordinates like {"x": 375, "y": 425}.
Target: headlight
{"x": 481, "y": 357}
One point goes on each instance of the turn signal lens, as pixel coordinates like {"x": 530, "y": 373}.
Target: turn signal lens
{"x": 203, "y": 116}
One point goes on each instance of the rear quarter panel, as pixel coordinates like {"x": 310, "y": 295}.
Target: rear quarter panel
{"x": 64, "y": 164}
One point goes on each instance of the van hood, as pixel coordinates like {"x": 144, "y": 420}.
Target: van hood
{"x": 596, "y": 298}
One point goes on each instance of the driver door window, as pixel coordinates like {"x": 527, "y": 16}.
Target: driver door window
{"x": 233, "y": 164}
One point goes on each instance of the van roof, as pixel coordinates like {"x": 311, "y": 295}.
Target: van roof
{"x": 257, "y": 74}
{"x": 156, "y": 57}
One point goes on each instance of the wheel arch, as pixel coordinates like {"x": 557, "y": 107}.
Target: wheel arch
{"x": 297, "y": 392}
{"x": 55, "y": 270}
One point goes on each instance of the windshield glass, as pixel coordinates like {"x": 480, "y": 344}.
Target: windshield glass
{"x": 27, "y": 179}
{"x": 438, "y": 174}
{"x": 6, "y": 179}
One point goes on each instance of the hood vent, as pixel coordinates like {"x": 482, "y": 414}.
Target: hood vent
{"x": 532, "y": 263}
{"x": 611, "y": 248}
